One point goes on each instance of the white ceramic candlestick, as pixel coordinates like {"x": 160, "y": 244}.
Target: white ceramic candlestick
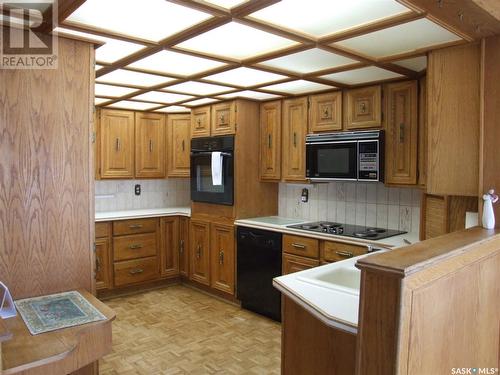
{"x": 488, "y": 214}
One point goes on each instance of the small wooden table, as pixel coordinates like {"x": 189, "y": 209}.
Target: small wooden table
{"x": 59, "y": 352}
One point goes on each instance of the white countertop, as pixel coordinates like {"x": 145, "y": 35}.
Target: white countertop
{"x": 141, "y": 214}
{"x": 279, "y": 224}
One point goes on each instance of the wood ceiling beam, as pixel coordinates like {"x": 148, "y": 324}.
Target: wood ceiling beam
{"x": 203, "y": 6}
{"x": 251, "y": 6}
{"x": 284, "y": 33}
{"x": 463, "y": 17}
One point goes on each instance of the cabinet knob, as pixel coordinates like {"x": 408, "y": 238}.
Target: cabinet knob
{"x": 325, "y": 113}
{"x": 221, "y": 256}
{"x": 363, "y": 107}
{"x": 198, "y": 252}
{"x": 181, "y": 246}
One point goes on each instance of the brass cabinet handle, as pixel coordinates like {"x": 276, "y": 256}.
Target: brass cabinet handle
{"x": 222, "y": 118}
{"x": 150, "y": 145}
{"x": 221, "y": 256}
{"x": 183, "y": 145}
{"x": 269, "y": 140}
{"x": 136, "y": 271}
{"x": 135, "y": 226}
{"x": 345, "y": 254}
{"x": 298, "y": 245}
{"x": 181, "y": 246}
{"x": 97, "y": 264}
{"x": 363, "y": 107}
{"x": 294, "y": 139}
{"x": 136, "y": 246}
{"x": 117, "y": 144}
{"x": 198, "y": 122}
{"x": 325, "y": 113}
{"x": 401, "y": 133}
{"x": 198, "y": 252}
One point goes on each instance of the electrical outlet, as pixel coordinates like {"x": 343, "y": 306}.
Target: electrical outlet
{"x": 137, "y": 189}
{"x": 305, "y": 195}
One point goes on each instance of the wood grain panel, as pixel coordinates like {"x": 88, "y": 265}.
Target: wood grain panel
{"x": 222, "y": 257}
{"x": 325, "y": 113}
{"x": 331, "y": 251}
{"x": 135, "y": 246}
{"x": 136, "y": 271}
{"x": 200, "y": 122}
{"x": 270, "y": 141}
{"x": 223, "y": 118}
{"x": 422, "y": 132}
{"x": 102, "y": 229}
{"x": 294, "y": 263}
{"x": 46, "y": 179}
{"x": 150, "y": 155}
{"x": 134, "y": 226}
{"x": 200, "y": 251}
{"x": 178, "y": 134}
{"x": 103, "y": 263}
{"x": 301, "y": 246}
{"x": 363, "y": 108}
{"x": 184, "y": 246}
{"x": 169, "y": 245}
{"x": 294, "y": 139}
{"x": 453, "y": 84}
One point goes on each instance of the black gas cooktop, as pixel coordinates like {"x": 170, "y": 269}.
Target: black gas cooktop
{"x": 348, "y": 230}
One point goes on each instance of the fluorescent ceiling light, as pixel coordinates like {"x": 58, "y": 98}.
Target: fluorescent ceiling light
{"x": 245, "y": 77}
{"x": 198, "y": 88}
{"x": 112, "y": 91}
{"x": 127, "y": 104}
{"x": 174, "y": 109}
{"x": 162, "y": 97}
{"x": 128, "y": 77}
{"x": 298, "y": 87}
{"x": 250, "y": 95}
{"x": 362, "y": 75}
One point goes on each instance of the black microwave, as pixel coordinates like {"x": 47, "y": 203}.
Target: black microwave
{"x": 351, "y": 156}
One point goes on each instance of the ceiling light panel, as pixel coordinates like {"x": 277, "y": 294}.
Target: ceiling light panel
{"x": 127, "y": 104}
{"x": 363, "y": 75}
{"x": 323, "y": 17}
{"x": 298, "y": 87}
{"x": 236, "y": 41}
{"x": 250, "y": 95}
{"x": 198, "y": 88}
{"x": 162, "y": 97}
{"x": 128, "y": 77}
{"x": 203, "y": 101}
{"x": 152, "y": 20}
{"x": 112, "y": 91}
{"x": 176, "y": 63}
{"x": 416, "y": 63}
{"x": 228, "y": 4}
{"x": 245, "y": 77}
{"x": 174, "y": 109}
{"x": 399, "y": 39}
{"x": 309, "y": 61}
{"x": 112, "y": 50}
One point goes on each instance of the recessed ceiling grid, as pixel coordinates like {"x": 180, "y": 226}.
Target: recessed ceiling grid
{"x": 260, "y": 49}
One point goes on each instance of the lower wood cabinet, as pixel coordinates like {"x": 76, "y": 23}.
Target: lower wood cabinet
{"x": 184, "y": 246}
{"x": 294, "y": 263}
{"x": 135, "y": 271}
{"x": 222, "y": 262}
{"x": 335, "y": 251}
{"x": 103, "y": 273}
{"x": 169, "y": 242}
{"x": 199, "y": 252}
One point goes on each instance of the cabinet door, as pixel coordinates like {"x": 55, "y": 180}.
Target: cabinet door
{"x": 363, "y": 108}
{"x": 169, "y": 242}
{"x": 103, "y": 264}
{"x": 325, "y": 113}
{"x": 270, "y": 141}
{"x": 199, "y": 254}
{"x": 401, "y": 133}
{"x": 294, "y": 139}
{"x": 184, "y": 246}
{"x": 179, "y": 127}
{"x": 422, "y": 132}
{"x": 293, "y": 263}
{"x": 149, "y": 145}
{"x": 224, "y": 118}
{"x": 200, "y": 122}
{"x": 117, "y": 144}
{"x": 222, "y": 258}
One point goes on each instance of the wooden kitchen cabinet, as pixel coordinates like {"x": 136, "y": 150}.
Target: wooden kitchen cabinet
{"x": 200, "y": 251}
{"x": 169, "y": 243}
{"x": 270, "y": 141}
{"x": 178, "y": 148}
{"x": 325, "y": 112}
{"x": 363, "y": 108}
{"x": 301, "y": 246}
{"x": 422, "y": 132}
{"x": 103, "y": 275}
{"x": 294, "y": 263}
{"x": 401, "y": 138}
{"x": 223, "y": 118}
{"x": 332, "y": 251}
{"x": 184, "y": 246}
{"x": 116, "y": 131}
{"x": 222, "y": 270}
{"x": 294, "y": 139}
{"x": 200, "y": 122}
{"x": 150, "y": 145}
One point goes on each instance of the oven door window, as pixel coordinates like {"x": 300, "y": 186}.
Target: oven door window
{"x": 204, "y": 180}
{"x": 332, "y": 160}
{"x": 202, "y": 188}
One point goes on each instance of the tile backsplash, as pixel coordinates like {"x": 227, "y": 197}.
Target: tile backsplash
{"x": 370, "y": 204}
{"x": 116, "y": 195}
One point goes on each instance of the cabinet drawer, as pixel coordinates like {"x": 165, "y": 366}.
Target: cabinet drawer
{"x": 102, "y": 230}
{"x": 135, "y": 271}
{"x": 134, "y": 226}
{"x": 302, "y": 246}
{"x": 335, "y": 251}
{"x": 136, "y": 246}
{"x": 292, "y": 263}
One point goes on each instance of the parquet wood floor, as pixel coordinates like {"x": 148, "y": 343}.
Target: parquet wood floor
{"x": 178, "y": 330}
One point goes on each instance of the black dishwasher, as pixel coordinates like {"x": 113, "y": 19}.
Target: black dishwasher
{"x": 258, "y": 262}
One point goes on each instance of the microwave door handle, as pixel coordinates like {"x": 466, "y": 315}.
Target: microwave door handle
{"x": 227, "y": 154}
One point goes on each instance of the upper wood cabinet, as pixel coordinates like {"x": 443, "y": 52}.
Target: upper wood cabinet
{"x": 222, "y": 258}
{"x": 453, "y": 88}
{"x": 149, "y": 145}
{"x": 363, "y": 108}
{"x": 325, "y": 112}
{"x": 117, "y": 144}
{"x": 270, "y": 141}
{"x": 200, "y": 251}
{"x": 422, "y": 132}
{"x": 169, "y": 246}
{"x": 200, "y": 122}
{"x": 178, "y": 130}
{"x": 401, "y": 138}
{"x": 294, "y": 135}
{"x": 184, "y": 246}
{"x": 223, "y": 118}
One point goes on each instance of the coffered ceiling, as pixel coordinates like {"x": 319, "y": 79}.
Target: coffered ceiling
{"x": 171, "y": 55}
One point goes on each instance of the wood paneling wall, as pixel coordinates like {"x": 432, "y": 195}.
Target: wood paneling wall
{"x": 46, "y": 175}
{"x": 490, "y": 127}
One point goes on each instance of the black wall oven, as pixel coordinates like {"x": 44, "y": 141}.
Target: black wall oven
{"x": 354, "y": 156}
{"x": 202, "y": 187}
